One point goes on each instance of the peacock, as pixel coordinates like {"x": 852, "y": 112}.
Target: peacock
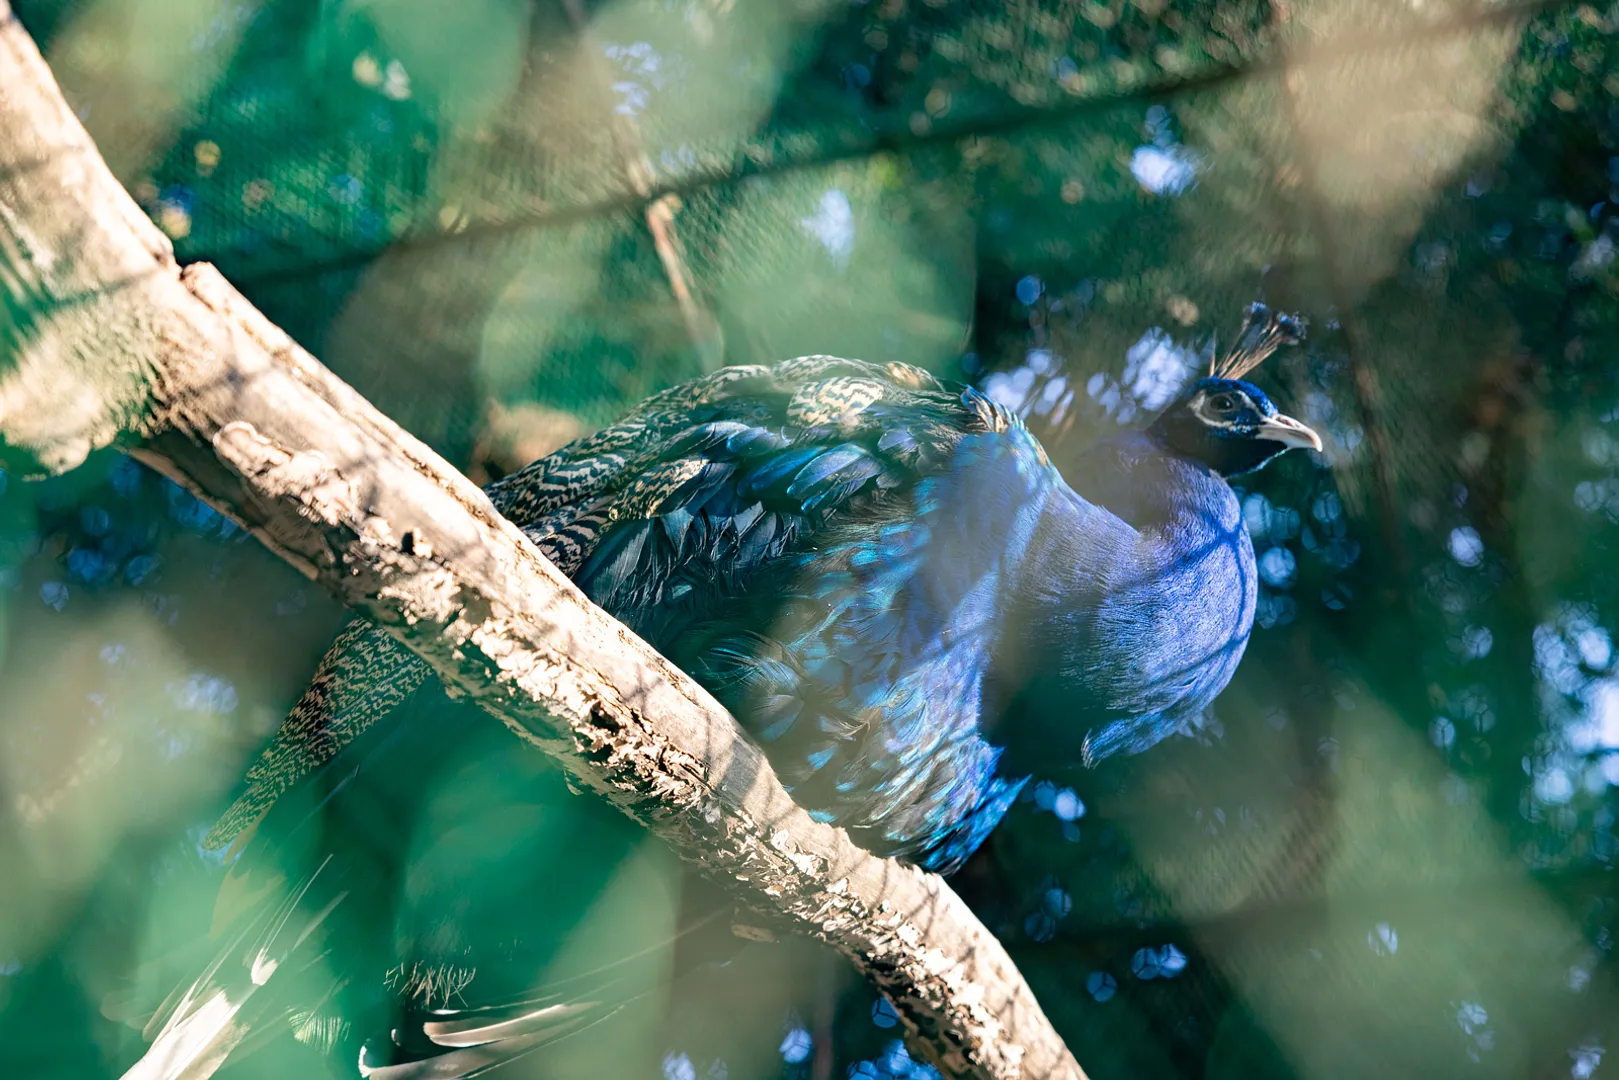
{"x": 881, "y": 574}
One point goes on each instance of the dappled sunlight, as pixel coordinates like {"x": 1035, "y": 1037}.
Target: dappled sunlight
{"x": 1374, "y": 946}
{"x": 108, "y": 738}
{"x": 892, "y": 263}
{"x": 137, "y": 70}
{"x": 421, "y": 53}
{"x": 1377, "y": 138}
{"x": 726, "y": 68}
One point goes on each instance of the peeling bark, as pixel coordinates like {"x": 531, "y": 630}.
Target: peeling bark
{"x": 104, "y": 339}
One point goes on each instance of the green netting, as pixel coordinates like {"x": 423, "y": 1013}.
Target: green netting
{"x": 1389, "y": 851}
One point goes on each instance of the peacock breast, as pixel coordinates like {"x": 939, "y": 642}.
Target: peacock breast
{"x": 1169, "y": 637}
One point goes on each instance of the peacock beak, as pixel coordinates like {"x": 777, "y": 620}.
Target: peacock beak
{"x": 1289, "y": 432}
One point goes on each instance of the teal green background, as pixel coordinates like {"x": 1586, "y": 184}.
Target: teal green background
{"x": 1390, "y": 848}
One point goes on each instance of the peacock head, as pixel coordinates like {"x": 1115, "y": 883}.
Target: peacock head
{"x": 1230, "y": 426}
{"x": 1226, "y": 423}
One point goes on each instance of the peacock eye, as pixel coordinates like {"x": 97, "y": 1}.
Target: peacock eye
{"x": 1223, "y": 402}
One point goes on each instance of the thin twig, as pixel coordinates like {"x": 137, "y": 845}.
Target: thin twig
{"x": 660, "y": 209}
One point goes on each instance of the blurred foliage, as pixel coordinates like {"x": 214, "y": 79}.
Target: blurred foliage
{"x": 1389, "y": 850}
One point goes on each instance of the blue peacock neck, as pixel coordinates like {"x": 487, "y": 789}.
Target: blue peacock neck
{"x": 1143, "y": 479}
{"x": 1114, "y": 645}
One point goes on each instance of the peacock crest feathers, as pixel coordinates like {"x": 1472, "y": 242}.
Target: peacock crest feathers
{"x": 1263, "y": 331}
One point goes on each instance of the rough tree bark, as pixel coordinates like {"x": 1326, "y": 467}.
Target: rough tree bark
{"x": 105, "y": 340}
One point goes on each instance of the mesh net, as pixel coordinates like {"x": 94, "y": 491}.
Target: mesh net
{"x": 1387, "y": 850}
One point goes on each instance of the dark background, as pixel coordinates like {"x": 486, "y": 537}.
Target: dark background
{"x": 1389, "y": 849}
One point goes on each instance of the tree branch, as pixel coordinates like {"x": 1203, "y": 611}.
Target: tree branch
{"x": 104, "y": 339}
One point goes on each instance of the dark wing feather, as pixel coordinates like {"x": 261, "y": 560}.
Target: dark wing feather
{"x": 364, "y": 676}
{"x": 568, "y": 501}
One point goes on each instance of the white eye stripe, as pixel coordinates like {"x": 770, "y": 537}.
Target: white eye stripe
{"x": 1204, "y": 409}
